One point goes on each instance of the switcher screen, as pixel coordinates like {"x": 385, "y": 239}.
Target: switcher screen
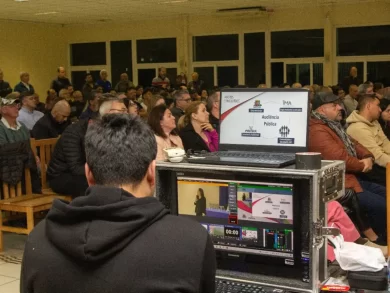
{"x": 248, "y": 217}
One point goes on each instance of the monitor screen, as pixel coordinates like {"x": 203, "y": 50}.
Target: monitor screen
{"x": 264, "y": 118}
{"x": 244, "y": 217}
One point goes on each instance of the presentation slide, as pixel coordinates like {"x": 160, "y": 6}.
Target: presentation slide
{"x": 264, "y": 118}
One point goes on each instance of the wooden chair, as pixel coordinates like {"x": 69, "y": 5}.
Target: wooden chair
{"x": 15, "y": 201}
{"x": 45, "y": 148}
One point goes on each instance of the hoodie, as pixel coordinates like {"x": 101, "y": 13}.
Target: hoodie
{"x": 371, "y": 136}
{"x": 111, "y": 241}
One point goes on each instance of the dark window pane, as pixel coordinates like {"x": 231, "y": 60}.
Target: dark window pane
{"x": 78, "y": 78}
{"x": 254, "y": 45}
{"x": 207, "y": 75}
{"x": 171, "y": 74}
{"x": 88, "y": 54}
{"x": 227, "y": 76}
{"x": 360, "y": 41}
{"x": 298, "y": 73}
{"x": 215, "y": 48}
{"x": 297, "y": 44}
{"x": 379, "y": 72}
{"x": 318, "y": 73}
{"x": 277, "y": 73}
{"x": 121, "y": 61}
{"x": 145, "y": 77}
{"x": 156, "y": 50}
{"x": 343, "y": 70}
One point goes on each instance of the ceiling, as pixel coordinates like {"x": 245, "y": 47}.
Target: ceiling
{"x": 92, "y": 11}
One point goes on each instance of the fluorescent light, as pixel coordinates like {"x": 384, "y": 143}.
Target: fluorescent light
{"x": 46, "y": 13}
{"x": 173, "y": 2}
{"x": 21, "y": 0}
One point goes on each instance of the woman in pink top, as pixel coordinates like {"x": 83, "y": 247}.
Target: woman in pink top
{"x": 196, "y": 131}
{"x": 163, "y": 124}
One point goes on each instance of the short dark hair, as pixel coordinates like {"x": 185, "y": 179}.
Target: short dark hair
{"x": 24, "y": 95}
{"x": 119, "y": 149}
{"x": 140, "y": 86}
{"x": 179, "y": 93}
{"x": 212, "y": 98}
{"x": 130, "y": 88}
{"x": 364, "y": 99}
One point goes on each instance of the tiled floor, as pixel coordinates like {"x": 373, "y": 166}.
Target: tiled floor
{"x": 10, "y": 263}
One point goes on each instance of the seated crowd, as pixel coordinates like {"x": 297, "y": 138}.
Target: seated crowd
{"x": 353, "y": 128}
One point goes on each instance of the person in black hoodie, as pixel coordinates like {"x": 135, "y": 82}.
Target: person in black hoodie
{"x": 118, "y": 238}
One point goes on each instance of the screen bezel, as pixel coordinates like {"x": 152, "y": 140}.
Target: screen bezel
{"x": 264, "y": 148}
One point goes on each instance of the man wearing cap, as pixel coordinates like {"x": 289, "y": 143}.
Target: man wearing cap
{"x": 27, "y": 114}
{"x": 327, "y": 136}
{"x": 10, "y": 129}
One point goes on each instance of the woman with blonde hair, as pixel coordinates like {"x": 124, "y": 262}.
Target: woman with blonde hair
{"x": 196, "y": 131}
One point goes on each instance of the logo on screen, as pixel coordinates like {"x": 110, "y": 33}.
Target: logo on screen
{"x": 257, "y": 104}
{"x": 284, "y": 131}
{"x": 250, "y": 132}
{"x": 287, "y": 103}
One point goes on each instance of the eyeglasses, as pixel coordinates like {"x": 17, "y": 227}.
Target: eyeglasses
{"x": 118, "y": 110}
{"x": 186, "y": 100}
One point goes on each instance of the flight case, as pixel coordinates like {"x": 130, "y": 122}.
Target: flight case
{"x": 314, "y": 187}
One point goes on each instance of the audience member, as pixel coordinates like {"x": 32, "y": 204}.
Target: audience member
{"x": 169, "y": 102}
{"x": 351, "y": 79}
{"x": 10, "y": 129}
{"x": 162, "y": 122}
{"x": 140, "y": 90}
{"x": 40, "y": 106}
{"x": 66, "y": 172}
{"x": 93, "y": 238}
{"x": 88, "y": 86}
{"x": 5, "y": 88}
{"x": 213, "y": 105}
{"x": 146, "y": 96}
{"x": 70, "y": 89}
{"x": 15, "y": 149}
{"x": 296, "y": 85}
{"x": 182, "y": 101}
{"x": 156, "y": 101}
{"x": 262, "y": 86}
{"x": 77, "y": 105}
{"x": 27, "y": 114}
{"x": 365, "y": 128}
{"x": 93, "y": 107}
{"x": 285, "y": 85}
{"x": 196, "y": 84}
{"x": 327, "y": 137}
{"x": 350, "y": 100}
{"x": 61, "y": 82}
{"x": 53, "y": 124}
{"x": 196, "y": 132}
{"x": 365, "y": 89}
{"x": 123, "y": 84}
{"x": 132, "y": 107}
{"x": 64, "y": 95}
{"x": 131, "y": 94}
{"x": 24, "y": 85}
{"x": 204, "y": 95}
{"x": 195, "y": 97}
{"x": 103, "y": 82}
{"x": 378, "y": 86}
{"x": 339, "y": 219}
{"x": 384, "y": 119}
{"x": 161, "y": 80}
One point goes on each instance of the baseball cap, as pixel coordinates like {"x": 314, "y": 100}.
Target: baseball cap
{"x": 12, "y": 98}
{"x": 323, "y": 98}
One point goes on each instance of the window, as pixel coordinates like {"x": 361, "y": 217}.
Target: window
{"x": 156, "y": 51}
{"x": 121, "y": 60}
{"x": 88, "y": 54}
{"x": 277, "y": 73}
{"x": 361, "y": 41}
{"x": 298, "y": 73}
{"x": 78, "y": 78}
{"x": 343, "y": 70}
{"x": 171, "y": 74}
{"x": 215, "y": 48}
{"x": 318, "y": 73}
{"x": 254, "y": 51}
{"x": 297, "y": 44}
{"x": 379, "y": 72}
{"x": 206, "y": 74}
{"x": 227, "y": 76}
{"x": 145, "y": 77}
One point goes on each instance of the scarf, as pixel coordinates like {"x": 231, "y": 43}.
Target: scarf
{"x": 338, "y": 129}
